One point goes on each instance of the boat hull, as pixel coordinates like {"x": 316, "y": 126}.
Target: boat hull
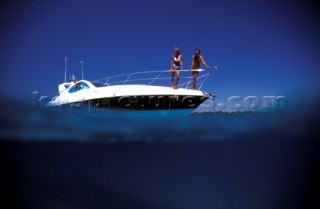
{"x": 131, "y": 97}
{"x": 149, "y": 102}
{"x": 137, "y": 102}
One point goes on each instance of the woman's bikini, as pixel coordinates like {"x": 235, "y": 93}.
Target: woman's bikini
{"x": 176, "y": 62}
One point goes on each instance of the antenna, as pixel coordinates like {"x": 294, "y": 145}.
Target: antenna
{"x": 81, "y": 69}
{"x": 65, "y": 69}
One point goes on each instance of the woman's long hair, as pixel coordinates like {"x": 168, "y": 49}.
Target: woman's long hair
{"x": 197, "y": 55}
{"x": 176, "y": 52}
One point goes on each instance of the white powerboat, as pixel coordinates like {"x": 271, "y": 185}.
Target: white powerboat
{"x": 133, "y": 91}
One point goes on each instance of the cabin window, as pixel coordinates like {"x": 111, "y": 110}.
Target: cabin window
{"x": 78, "y": 87}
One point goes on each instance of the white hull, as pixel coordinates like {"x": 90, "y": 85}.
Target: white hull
{"x": 129, "y": 96}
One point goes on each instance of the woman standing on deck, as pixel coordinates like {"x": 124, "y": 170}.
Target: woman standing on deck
{"x": 176, "y": 65}
{"x": 196, "y": 59}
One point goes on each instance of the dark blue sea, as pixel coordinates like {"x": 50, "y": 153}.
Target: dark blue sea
{"x": 78, "y": 158}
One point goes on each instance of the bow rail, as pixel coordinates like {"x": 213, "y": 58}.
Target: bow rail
{"x": 160, "y": 77}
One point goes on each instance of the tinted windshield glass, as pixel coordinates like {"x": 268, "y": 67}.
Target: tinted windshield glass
{"x": 78, "y": 87}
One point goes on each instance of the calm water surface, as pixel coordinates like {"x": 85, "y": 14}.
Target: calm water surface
{"x": 74, "y": 158}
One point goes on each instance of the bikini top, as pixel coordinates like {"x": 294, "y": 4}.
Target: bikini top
{"x": 177, "y": 60}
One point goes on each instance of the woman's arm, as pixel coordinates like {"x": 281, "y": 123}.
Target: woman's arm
{"x": 204, "y": 63}
{"x": 192, "y": 62}
{"x": 171, "y": 65}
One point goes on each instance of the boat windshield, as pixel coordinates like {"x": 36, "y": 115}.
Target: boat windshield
{"x": 78, "y": 87}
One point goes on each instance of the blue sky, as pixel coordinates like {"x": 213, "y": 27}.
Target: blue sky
{"x": 263, "y": 47}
